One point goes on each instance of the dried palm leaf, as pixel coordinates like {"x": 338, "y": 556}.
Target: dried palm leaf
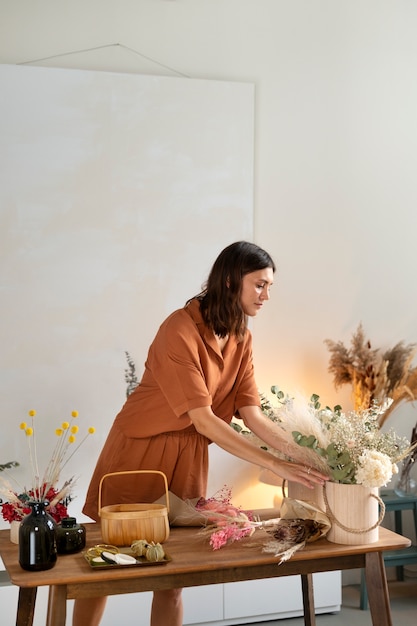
{"x": 406, "y": 392}
{"x": 374, "y": 376}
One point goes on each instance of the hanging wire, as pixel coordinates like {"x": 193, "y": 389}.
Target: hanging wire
{"x": 111, "y": 45}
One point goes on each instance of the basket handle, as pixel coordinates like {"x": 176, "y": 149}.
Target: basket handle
{"x": 133, "y": 472}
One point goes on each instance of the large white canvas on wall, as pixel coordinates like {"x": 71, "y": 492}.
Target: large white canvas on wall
{"x": 117, "y": 193}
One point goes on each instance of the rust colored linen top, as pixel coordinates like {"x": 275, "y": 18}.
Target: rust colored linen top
{"x": 184, "y": 370}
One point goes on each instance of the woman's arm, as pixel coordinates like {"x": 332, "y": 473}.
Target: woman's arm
{"x": 216, "y": 430}
{"x": 270, "y": 433}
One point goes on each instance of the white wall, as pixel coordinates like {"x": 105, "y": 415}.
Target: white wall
{"x": 126, "y": 178}
{"x": 335, "y": 151}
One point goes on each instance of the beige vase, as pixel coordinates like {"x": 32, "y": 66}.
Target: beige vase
{"x": 355, "y": 513}
{"x": 14, "y": 531}
{"x": 300, "y": 492}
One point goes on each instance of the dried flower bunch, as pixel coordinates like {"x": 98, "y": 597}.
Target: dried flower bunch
{"x": 349, "y": 447}
{"x": 226, "y": 523}
{"x": 18, "y": 507}
{"x": 375, "y": 375}
{"x": 44, "y": 485}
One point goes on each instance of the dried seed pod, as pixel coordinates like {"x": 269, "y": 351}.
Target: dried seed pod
{"x": 294, "y": 531}
{"x": 155, "y": 552}
{"x": 139, "y": 547}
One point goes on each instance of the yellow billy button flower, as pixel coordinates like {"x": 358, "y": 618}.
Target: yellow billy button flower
{"x": 67, "y": 433}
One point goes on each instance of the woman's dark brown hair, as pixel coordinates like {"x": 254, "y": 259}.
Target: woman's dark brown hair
{"x": 220, "y": 298}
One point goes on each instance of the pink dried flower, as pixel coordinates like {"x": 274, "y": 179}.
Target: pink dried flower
{"x": 228, "y": 523}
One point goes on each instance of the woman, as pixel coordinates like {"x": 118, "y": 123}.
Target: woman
{"x": 198, "y": 375}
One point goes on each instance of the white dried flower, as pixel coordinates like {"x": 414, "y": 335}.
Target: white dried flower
{"x": 374, "y": 470}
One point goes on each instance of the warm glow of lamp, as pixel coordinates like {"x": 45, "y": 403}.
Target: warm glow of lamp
{"x": 268, "y": 477}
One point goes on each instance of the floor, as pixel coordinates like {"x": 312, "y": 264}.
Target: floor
{"x": 403, "y": 596}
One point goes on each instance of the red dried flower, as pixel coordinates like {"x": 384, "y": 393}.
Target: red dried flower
{"x": 18, "y": 508}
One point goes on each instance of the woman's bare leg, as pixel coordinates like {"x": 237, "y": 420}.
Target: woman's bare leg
{"x": 167, "y": 608}
{"x": 88, "y": 611}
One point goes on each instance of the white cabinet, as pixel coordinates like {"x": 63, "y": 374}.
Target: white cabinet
{"x": 203, "y": 604}
{"x": 279, "y": 598}
{"x": 261, "y": 600}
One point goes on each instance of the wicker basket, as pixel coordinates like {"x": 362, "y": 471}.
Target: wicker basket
{"x": 121, "y": 524}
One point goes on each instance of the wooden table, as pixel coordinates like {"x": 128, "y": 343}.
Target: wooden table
{"x": 194, "y": 563}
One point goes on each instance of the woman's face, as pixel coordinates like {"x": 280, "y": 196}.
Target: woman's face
{"x": 255, "y": 290}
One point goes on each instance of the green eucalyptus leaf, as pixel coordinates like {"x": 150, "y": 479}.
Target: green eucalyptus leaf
{"x": 8, "y": 465}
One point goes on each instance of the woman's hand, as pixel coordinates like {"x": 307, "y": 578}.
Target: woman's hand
{"x": 296, "y": 472}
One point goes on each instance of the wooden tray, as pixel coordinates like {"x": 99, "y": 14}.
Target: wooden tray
{"x": 140, "y": 561}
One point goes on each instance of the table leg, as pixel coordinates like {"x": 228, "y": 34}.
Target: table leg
{"x": 26, "y": 606}
{"x": 57, "y": 605}
{"x": 398, "y": 522}
{"x": 376, "y": 584}
{"x": 308, "y": 599}
{"x": 399, "y": 530}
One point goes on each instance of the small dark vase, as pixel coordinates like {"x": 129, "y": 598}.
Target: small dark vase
{"x": 70, "y": 536}
{"x": 37, "y": 539}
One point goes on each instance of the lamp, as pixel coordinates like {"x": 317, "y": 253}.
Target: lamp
{"x": 267, "y": 477}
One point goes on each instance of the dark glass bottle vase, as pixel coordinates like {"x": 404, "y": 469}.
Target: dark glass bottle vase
{"x": 70, "y": 536}
{"x": 37, "y": 539}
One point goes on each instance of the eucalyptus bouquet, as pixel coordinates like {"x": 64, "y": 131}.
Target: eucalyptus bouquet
{"x": 349, "y": 447}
